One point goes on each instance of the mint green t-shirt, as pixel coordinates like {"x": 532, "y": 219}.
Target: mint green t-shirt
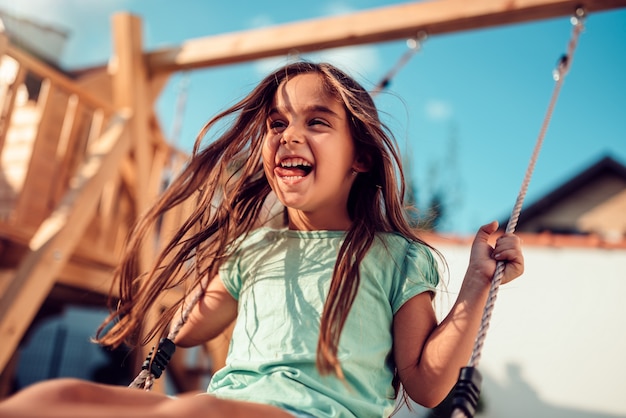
{"x": 280, "y": 279}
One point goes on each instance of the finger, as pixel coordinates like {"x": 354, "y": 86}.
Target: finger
{"x": 513, "y": 269}
{"x": 508, "y": 242}
{"x": 511, "y": 255}
{"x": 485, "y": 231}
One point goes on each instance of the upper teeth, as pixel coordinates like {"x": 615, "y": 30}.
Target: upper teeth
{"x": 293, "y": 162}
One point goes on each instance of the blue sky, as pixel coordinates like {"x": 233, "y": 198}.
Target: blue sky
{"x": 467, "y": 108}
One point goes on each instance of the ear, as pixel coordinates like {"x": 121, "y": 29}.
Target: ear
{"x": 362, "y": 163}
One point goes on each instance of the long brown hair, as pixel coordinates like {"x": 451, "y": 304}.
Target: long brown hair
{"x": 227, "y": 181}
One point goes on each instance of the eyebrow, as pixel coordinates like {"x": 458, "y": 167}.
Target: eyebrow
{"x": 308, "y": 109}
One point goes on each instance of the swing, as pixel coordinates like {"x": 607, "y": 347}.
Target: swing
{"x": 467, "y": 388}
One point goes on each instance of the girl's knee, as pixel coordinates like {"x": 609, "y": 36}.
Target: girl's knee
{"x": 49, "y": 392}
{"x": 61, "y": 390}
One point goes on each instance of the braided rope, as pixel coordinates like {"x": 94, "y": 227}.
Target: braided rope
{"x": 145, "y": 378}
{"x": 559, "y": 75}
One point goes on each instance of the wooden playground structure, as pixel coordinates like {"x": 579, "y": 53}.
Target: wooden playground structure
{"x": 81, "y": 157}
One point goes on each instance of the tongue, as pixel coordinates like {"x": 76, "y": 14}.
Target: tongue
{"x": 290, "y": 172}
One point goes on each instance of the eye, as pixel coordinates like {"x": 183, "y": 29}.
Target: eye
{"x": 276, "y": 124}
{"x": 318, "y": 121}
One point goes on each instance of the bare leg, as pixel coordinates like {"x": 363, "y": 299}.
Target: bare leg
{"x": 69, "y": 398}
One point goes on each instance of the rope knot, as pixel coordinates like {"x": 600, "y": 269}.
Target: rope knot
{"x": 467, "y": 391}
{"x": 163, "y": 355}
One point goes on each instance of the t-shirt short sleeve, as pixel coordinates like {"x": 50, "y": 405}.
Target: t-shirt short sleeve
{"x": 231, "y": 272}
{"x": 230, "y": 276}
{"x": 419, "y": 273}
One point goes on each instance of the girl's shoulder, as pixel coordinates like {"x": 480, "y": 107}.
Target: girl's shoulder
{"x": 397, "y": 241}
{"x": 400, "y": 248}
{"x": 253, "y": 238}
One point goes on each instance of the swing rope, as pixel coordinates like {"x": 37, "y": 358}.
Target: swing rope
{"x": 155, "y": 363}
{"x": 467, "y": 390}
{"x": 414, "y": 45}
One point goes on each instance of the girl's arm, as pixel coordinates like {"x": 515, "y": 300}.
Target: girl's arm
{"x": 429, "y": 356}
{"x": 213, "y": 313}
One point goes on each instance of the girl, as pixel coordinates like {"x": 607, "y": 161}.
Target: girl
{"x": 333, "y": 309}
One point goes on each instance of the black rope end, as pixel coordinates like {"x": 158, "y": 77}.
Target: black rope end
{"x": 164, "y": 353}
{"x": 467, "y": 391}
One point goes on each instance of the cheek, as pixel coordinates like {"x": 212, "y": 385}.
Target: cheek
{"x": 268, "y": 152}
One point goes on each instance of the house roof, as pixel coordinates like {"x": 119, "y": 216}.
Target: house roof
{"x": 593, "y": 201}
{"x": 41, "y": 40}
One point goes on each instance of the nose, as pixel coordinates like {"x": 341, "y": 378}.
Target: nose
{"x": 291, "y": 136}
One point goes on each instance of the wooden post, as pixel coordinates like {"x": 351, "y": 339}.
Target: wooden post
{"x": 131, "y": 89}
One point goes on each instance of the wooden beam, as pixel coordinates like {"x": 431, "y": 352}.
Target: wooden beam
{"x": 376, "y": 25}
{"x": 57, "y": 78}
{"x": 54, "y": 241}
{"x": 132, "y": 90}
{"x": 98, "y": 83}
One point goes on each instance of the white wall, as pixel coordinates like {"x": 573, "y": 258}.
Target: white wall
{"x": 556, "y": 346}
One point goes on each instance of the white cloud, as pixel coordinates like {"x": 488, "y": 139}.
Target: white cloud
{"x": 261, "y": 21}
{"x": 335, "y": 8}
{"x": 438, "y": 110}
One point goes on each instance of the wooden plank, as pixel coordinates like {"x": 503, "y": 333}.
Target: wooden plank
{"x": 54, "y": 241}
{"x": 59, "y": 79}
{"x": 107, "y": 222}
{"x": 376, "y": 25}
{"x": 4, "y": 43}
{"x": 97, "y": 125}
{"x": 34, "y": 203}
{"x": 77, "y": 144}
{"x": 6, "y": 93}
{"x": 8, "y": 106}
{"x": 65, "y": 149}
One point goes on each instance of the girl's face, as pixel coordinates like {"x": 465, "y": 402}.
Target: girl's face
{"x": 309, "y": 155}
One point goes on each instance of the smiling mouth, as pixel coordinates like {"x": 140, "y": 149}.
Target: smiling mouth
{"x": 294, "y": 168}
